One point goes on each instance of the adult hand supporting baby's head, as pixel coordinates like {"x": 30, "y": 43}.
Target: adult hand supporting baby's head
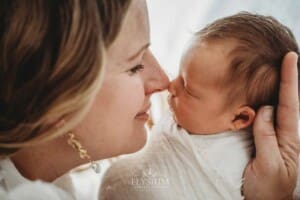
{"x": 272, "y": 174}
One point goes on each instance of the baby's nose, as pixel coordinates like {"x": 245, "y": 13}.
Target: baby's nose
{"x": 172, "y": 88}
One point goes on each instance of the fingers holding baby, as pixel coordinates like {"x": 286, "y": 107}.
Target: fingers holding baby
{"x": 272, "y": 174}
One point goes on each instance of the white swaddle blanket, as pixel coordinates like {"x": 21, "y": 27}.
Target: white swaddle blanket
{"x": 177, "y": 165}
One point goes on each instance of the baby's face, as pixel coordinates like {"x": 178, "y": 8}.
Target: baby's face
{"x": 197, "y": 96}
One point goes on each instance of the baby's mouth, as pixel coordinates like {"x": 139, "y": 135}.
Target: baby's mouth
{"x": 170, "y": 103}
{"x": 171, "y": 106}
{"x": 176, "y": 121}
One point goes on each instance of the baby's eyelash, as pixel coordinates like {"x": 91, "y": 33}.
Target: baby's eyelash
{"x": 136, "y": 69}
{"x": 188, "y": 92}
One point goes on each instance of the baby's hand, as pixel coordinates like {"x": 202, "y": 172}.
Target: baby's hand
{"x": 272, "y": 174}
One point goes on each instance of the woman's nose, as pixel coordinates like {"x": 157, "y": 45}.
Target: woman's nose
{"x": 155, "y": 78}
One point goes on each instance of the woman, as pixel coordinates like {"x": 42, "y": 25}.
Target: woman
{"x": 53, "y": 96}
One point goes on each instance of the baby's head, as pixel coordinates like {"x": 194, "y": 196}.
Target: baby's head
{"x": 231, "y": 69}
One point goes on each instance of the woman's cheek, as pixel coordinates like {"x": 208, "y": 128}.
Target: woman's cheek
{"x": 133, "y": 96}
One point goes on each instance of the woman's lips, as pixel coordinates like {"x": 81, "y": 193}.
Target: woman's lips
{"x": 144, "y": 114}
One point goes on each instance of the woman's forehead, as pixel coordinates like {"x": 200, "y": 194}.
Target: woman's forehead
{"x": 134, "y": 33}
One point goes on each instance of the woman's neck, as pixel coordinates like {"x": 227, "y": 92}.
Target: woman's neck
{"x": 46, "y": 161}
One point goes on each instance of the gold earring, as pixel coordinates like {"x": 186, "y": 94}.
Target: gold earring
{"x": 83, "y": 154}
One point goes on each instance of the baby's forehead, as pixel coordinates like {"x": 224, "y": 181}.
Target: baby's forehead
{"x": 220, "y": 47}
{"x": 206, "y": 64}
{"x": 210, "y": 58}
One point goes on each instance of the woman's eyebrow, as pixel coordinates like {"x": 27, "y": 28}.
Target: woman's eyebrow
{"x": 138, "y": 52}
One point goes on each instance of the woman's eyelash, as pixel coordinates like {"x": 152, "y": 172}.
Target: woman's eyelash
{"x": 136, "y": 69}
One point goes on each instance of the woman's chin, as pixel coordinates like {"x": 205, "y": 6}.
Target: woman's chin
{"x": 137, "y": 143}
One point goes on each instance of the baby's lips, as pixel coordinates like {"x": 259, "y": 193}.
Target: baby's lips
{"x": 170, "y": 103}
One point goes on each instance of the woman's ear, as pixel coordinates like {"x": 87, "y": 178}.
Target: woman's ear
{"x": 243, "y": 117}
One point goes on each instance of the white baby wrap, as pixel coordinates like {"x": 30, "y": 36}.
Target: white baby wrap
{"x": 176, "y": 165}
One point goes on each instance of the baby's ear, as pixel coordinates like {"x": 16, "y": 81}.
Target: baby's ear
{"x": 243, "y": 117}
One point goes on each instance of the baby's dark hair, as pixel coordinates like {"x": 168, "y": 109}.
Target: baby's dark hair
{"x": 262, "y": 42}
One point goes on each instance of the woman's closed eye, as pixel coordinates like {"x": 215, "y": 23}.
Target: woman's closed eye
{"x": 134, "y": 70}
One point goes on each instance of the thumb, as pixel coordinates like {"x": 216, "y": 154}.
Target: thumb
{"x": 265, "y": 137}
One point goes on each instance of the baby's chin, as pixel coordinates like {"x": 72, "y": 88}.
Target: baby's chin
{"x": 175, "y": 119}
{"x": 173, "y": 113}
{"x": 179, "y": 125}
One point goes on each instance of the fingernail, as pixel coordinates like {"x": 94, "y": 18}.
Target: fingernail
{"x": 268, "y": 113}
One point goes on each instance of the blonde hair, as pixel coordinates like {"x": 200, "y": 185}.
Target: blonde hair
{"x": 51, "y": 64}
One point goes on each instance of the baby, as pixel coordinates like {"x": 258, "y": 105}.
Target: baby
{"x": 201, "y": 150}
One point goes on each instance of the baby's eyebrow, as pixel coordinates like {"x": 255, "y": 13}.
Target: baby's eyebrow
{"x": 135, "y": 55}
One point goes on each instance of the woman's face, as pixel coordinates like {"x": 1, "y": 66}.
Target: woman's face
{"x": 115, "y": 122}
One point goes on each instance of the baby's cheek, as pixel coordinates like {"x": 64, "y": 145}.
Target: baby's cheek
{"x": 184, "y": 105}
{"x": 180, "y": 114}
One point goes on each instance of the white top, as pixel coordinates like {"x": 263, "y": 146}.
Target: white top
{"x": 14, "y": 186}
{"x": 177, "y": 165}
{"x": 79, "y": 183}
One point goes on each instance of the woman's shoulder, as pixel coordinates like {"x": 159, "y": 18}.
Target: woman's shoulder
{"x": 14, "y": 186}
{"x": 35, "y": 190}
